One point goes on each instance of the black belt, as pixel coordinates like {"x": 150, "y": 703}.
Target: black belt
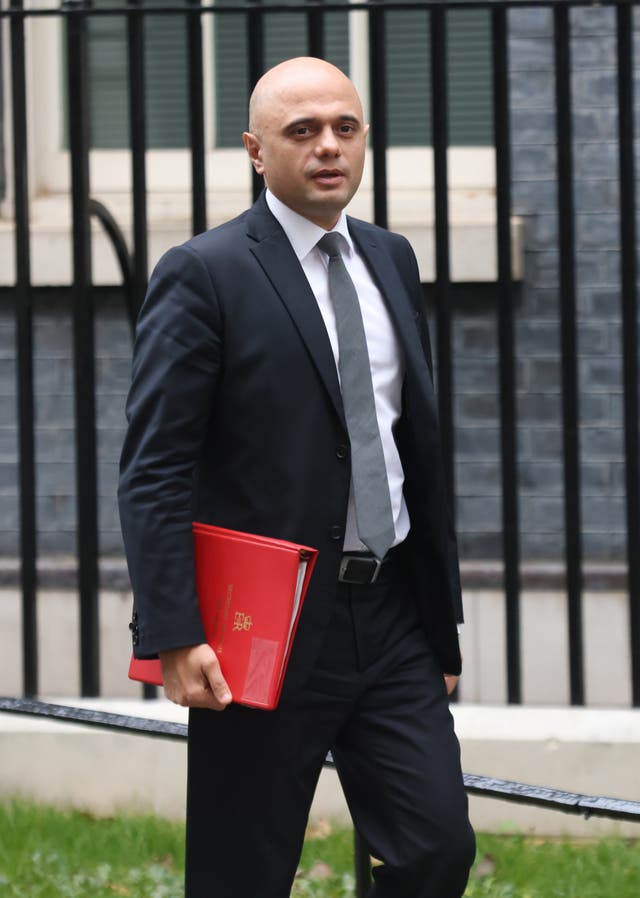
{"x": 360, "y": 568}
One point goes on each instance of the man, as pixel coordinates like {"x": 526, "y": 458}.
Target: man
{"x": 242, "y": 414}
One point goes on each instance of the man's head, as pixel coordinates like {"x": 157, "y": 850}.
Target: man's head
{"x": 307, "y": 137}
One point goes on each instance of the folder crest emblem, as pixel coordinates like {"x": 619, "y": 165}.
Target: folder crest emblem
{"x": 242, "y": 621}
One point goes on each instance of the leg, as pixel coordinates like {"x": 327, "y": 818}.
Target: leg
{"x": 398, "y": 760}
{"x": 251, "y": 780}
{"x": 252, "y": 775}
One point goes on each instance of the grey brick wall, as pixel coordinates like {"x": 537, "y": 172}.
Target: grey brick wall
{"x": 54, "y": 413}
{"x": 537, "y": 330}
{"x": 476, "y": 404}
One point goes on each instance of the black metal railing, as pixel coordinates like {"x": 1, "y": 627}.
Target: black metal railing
{"x": 442, "y": 292}
{"x": 601, "y": 806}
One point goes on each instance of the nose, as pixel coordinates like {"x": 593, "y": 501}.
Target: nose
{"x": 327, "y": 144}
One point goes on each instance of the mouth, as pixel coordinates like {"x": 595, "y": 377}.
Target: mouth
{"x": 328, "y": 176}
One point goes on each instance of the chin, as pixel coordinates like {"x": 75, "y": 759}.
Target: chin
{"x": 330, "y": 202}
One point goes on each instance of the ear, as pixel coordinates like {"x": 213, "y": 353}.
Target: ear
{"x": 254, "y": 149}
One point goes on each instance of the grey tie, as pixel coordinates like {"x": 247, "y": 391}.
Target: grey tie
{"x": 368, "y": 470}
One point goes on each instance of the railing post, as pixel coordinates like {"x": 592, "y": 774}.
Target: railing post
{"x": 378, "y": 112}
{"x": 508, "y": 440}
{"x": 315, "y": 32}
{"x": 629, "y": 271}
{"x": 24, "y": 353}
{"x": 570, "y": 413}
{"x": 138, "y": 130}
{"x": 196, "y": 119}
{"x": 255, "y": 44}
{"x": 440, "y": 132}
{"x": 83, "y": 347}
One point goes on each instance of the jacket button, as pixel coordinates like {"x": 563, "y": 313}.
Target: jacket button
{"x": 342, "y": 452}
{"x": 336, "y": 532}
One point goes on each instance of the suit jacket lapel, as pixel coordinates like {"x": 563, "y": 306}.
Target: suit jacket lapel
{"x": 384, "y": 272}
{"x": 279, "y": 262}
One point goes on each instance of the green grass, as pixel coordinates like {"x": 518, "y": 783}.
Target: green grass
{"x": 517, "y": 867}
{"x": 52, "y": 854}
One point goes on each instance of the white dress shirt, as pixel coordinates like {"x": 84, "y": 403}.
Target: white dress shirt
{"x": 385, "y": 355}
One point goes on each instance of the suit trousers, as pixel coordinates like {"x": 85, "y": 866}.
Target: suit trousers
{"x": 377, "y": 699}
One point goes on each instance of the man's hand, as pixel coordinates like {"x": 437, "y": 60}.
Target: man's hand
{"x": 451, "y": 681}
{"x": 192, "y": 678}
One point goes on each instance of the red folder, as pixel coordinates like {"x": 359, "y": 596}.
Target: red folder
{"x": 250, "y": 591}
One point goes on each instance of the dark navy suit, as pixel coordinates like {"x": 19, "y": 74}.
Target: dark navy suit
{"x": 235, "y": 418}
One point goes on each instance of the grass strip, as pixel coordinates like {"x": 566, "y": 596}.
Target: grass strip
{"x": 46, "y": 853}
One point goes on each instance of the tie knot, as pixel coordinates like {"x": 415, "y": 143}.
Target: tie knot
{"x": 330, "y": 244}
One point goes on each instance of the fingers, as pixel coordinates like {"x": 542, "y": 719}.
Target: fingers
{"x": 192, "y": 678}
{"x": 451, "y": 682}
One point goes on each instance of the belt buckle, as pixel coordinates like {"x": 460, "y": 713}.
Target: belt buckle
{"x": 370, "y": 566}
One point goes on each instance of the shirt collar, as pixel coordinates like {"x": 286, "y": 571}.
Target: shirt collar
{"x": 302, "y": 233}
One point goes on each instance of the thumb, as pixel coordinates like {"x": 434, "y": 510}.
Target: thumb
{"x": 217, "y": 683}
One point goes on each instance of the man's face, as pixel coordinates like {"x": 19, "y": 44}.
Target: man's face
{"x": 309, "y": 142}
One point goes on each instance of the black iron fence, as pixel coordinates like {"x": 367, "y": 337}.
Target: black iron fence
{"x": 519, "y": 793}
{"x": 441, "y": 292}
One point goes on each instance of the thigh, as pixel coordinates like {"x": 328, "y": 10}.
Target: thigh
{"x": 399, "y": 763}
{"x": 251, "y": 779}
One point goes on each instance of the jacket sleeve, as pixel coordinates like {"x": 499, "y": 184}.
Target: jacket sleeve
{"x": 408, "y": 267}
{"x": 176, "y": 366}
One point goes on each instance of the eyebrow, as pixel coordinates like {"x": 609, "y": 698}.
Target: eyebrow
{"x": 308, "y": 120}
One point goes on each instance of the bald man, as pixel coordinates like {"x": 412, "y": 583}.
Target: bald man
{"x": 236, "y": 417}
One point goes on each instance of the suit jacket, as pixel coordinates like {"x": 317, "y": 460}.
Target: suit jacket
{"x": 235, "y": 418}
